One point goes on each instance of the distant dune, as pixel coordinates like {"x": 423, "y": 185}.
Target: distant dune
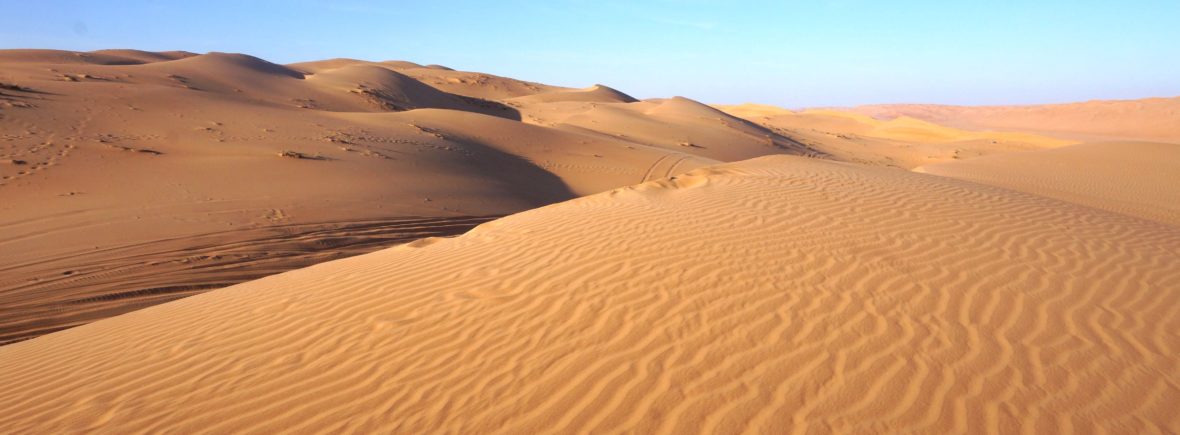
{"x": 676, "y": 124}
{"x": 1149, "y": 119}
{"x": 776, "y": 295}
{"x": 901, "y": 141}
{"x": 100, "y": 57}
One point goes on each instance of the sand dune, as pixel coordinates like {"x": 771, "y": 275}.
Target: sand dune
{"x": 678, "y": 124}
{"x": 100, "y": 57}
{"x": 125, "y": 153}
{"x": 477, "y": 85}
{"x": 902, "y": 141}
{"x": 777, "y": 295}
{"x": 595, "y": 94}
{"x": 1135, "y": 178}
{"x": 1149, "y": 119}
{"x": 146, "y": 56}
{"x": 230, "y": 66}
{"x": 392, "y": 91}
{"x": 1013, "y": 282}
{"x": 112, "y": 156}
{"x": 470, "y": 84}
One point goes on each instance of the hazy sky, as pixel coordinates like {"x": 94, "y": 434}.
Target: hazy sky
{"x": 789, "y": 53}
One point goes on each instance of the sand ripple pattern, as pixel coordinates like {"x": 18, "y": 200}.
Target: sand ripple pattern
{"x": 777, "y": 295}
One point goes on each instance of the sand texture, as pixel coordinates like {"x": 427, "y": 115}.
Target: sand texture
{"x": 775, "y": 295}
{"x": 1135, "y": 178}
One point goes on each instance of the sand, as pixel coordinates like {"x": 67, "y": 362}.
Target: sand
{"x": 1134, "y": 178}
{"x": 776, "y": 295}
{"x": 130, "y": 178}
{"x": 675, "y": 124}
{"x": 902, "y": 142}
{"x": 1148, "y": 119}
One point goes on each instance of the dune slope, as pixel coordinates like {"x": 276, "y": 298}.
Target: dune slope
{"x": 677, "y": 124}
{"x": 777, "y": 295}
{"x": 1136, "y": 178}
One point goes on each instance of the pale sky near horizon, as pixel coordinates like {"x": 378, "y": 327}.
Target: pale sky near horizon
{"x": 787, "y": 53}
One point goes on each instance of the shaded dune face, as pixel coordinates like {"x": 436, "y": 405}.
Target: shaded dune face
{"x": 776, "y": 295}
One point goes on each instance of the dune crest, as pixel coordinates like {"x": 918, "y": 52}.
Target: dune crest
{"x": 596, "y": 94}
{"x": 98, "y": 57}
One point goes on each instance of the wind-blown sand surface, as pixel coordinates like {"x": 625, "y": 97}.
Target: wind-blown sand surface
{"x": 1135, "y": 178}
{"x": 776, "y": 295}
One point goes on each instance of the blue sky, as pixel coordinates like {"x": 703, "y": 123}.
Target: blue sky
{"x": 789, "y": 53}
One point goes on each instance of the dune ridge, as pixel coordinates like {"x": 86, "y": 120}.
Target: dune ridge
{"x": 678, "y": 123}
{"x": 596, "y": 93}
{"x": 776, "y": 295}
{"x": 98, "y": 57}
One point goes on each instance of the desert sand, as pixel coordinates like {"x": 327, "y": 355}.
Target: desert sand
{"x": 1148, "y": 119}
{"x": 217, "y": 243}
{"x": 776, "y": 295}
{"x": 1133, "y": 178}
{"x": 903, "y": 141}
{"x": 130, "y": 178}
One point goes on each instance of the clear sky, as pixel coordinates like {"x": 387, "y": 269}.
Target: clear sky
{"x": 789, "y": 53}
